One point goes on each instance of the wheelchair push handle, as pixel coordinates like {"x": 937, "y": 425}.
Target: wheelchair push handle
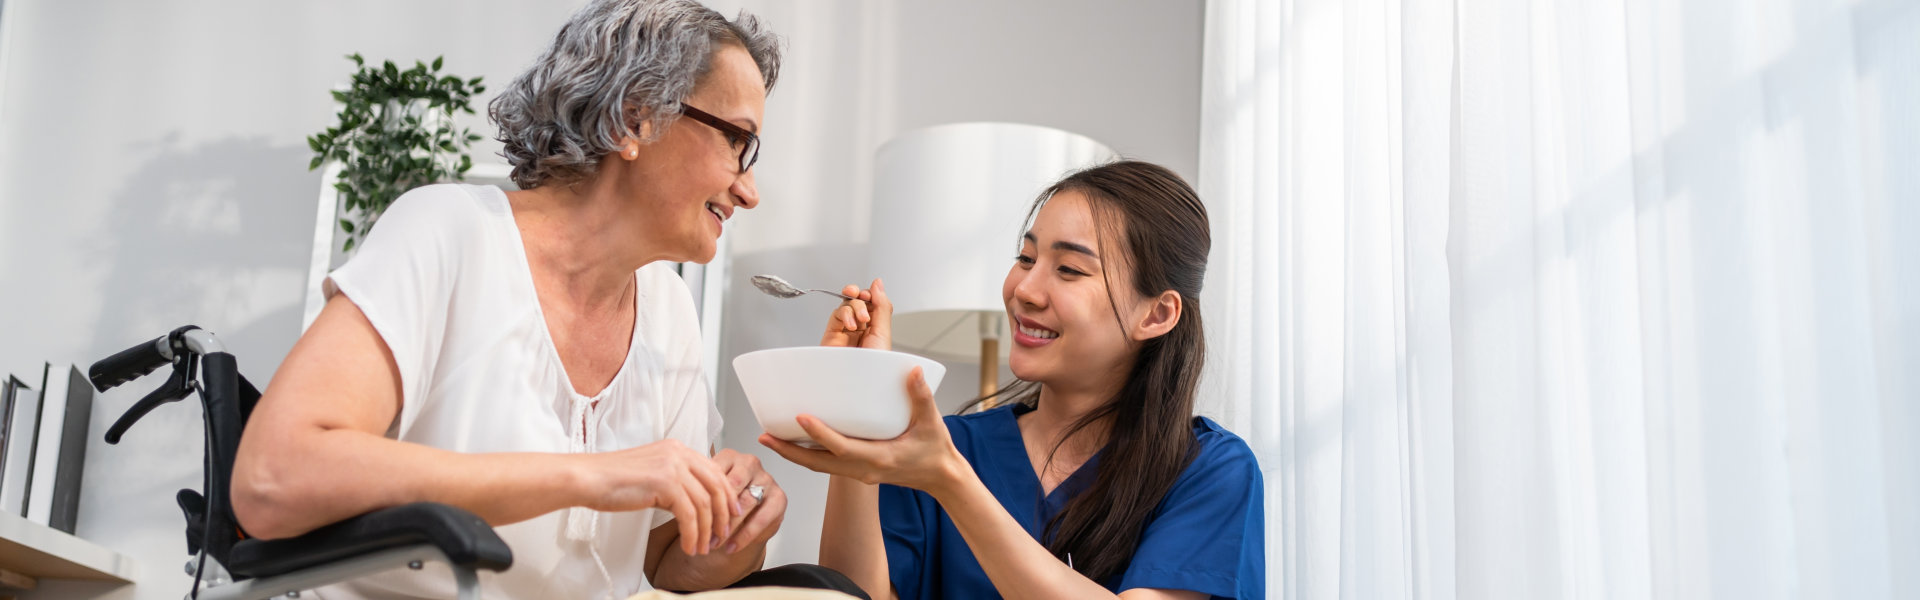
{"x": 133, "y": 363}
{"x": 130, "y": 364}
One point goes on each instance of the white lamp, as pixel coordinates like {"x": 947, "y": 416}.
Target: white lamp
{"x": 949, "y": 205}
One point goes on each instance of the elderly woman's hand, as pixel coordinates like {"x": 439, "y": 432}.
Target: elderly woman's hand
{"x": 865, "y": 322}
{"x": 762, "y": 503}
{"x": 922, "y": 458}
{"x": 672, "y": 477}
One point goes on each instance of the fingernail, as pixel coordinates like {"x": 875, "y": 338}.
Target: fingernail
{"x": 738, "y": 508}
{"x": 732, "y": 548}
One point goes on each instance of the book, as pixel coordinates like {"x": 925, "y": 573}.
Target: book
{"x": 55, "y": 394}
{"x": 72, "y": 451}
{"x": 34, "y": 460}
{"x": 9, "y": 388}
{"x": 16, "y": 453}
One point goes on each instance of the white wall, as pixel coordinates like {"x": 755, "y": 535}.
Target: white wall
{"x": 153, "y": 173}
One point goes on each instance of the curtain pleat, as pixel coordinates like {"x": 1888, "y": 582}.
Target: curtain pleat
{"x": 1570, "y": 299}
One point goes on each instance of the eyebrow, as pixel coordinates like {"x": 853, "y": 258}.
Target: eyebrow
{"x": 1067, "y": 246}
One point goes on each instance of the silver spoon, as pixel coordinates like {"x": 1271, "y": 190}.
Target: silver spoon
{"x": 779, "y": 288}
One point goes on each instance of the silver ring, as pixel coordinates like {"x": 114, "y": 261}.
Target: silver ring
{"x": 758, "y": 492}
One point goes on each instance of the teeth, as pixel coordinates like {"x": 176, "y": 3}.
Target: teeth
{"x": 716, "y": 212}
{"x": 1039, "y": 333}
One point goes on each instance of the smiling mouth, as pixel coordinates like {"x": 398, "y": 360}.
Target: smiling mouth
{"x": 1031, "y": 336}
{"x": 718, "y": 217}
{"x": 1036, "y": 332}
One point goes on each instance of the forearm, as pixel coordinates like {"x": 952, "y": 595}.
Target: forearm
{"x": 1017, "y": 564}
{"x": 304, "y": 481}
{"x": 850, "y": 537}
{"x": 681, "y": 573}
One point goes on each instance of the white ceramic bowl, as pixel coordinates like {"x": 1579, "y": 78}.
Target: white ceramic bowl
{"x": 858, "y": 392}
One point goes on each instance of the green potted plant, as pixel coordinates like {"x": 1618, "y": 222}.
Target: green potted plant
{"x": 395, "y": 132}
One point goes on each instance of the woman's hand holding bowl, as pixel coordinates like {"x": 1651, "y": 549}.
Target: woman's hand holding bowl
{"x": 923, "y": 458}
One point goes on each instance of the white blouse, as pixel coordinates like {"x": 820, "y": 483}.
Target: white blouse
{"x": 444, "y": 280}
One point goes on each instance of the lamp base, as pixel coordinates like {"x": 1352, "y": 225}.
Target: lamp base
{"x": 989, "y": 371}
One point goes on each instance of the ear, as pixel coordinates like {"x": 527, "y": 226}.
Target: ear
{"x": 1159, "y": 315}
{"x": 638, "y": 123}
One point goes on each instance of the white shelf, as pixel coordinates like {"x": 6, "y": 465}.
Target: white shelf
{"x": 42, "y": 552}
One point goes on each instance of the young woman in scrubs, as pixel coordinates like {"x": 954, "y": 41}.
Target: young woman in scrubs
{"x": 1095, "y": 479}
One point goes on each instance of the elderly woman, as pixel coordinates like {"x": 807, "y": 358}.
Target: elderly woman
{"x": 531, "y": 356}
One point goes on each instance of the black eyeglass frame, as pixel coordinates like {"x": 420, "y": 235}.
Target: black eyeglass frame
{"x": 749, "y": 153}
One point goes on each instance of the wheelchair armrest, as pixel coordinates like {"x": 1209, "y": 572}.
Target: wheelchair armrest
{"x": 466, "y": 540}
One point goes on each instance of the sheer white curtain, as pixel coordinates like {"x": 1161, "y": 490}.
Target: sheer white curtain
{"x": 1571, "y": 298}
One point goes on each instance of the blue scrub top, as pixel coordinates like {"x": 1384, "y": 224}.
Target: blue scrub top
{"x": 1207, "y": 535}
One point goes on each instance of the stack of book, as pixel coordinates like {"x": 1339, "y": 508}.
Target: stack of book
{"x": 43, "y": 444}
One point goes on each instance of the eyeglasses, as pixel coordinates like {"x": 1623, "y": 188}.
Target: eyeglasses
{"x": 737, "y": 137}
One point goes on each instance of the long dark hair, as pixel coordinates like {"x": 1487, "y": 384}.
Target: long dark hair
{"x": 1149, "y": 439}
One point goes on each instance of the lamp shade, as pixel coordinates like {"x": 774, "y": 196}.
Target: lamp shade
{"x": 949, "y": 205}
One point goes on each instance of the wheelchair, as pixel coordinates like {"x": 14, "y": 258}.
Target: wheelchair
{"x": 245, "y": 568}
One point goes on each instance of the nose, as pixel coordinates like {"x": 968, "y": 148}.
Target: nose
{"x": 745, "y": 195}
{"x": 1027, "y": 288}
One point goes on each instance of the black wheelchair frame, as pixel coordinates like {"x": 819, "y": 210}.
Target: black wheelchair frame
{"x": 402, "y": 536}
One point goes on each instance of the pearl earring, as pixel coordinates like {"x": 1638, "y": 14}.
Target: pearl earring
{"x": 633, "y": 151}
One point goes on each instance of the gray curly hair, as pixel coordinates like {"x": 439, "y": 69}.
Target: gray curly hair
{"x": 615, "y": 61}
